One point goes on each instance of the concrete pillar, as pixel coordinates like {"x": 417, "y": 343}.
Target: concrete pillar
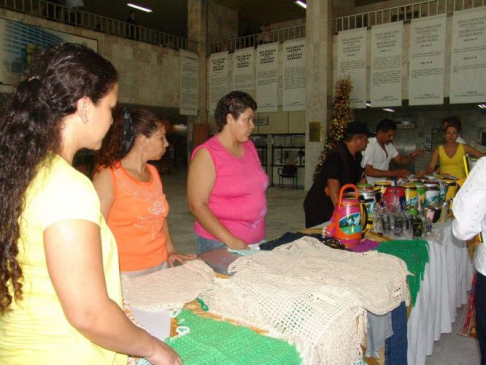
{"x": 318, "y": 77}
{"x": 197, "y": 22}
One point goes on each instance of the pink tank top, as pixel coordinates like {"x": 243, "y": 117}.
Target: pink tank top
{"x": 238, "y": 198}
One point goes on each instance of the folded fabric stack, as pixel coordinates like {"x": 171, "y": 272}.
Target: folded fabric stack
{"x": 168, "y": 289}
{"x": 235, "y": 344}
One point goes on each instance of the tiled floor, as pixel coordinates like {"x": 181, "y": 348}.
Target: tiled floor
{"x": 285, "y": 213}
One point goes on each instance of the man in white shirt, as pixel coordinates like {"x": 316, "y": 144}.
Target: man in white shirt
{"x": 470, "y": 219}
{"x": 380, "y": 151}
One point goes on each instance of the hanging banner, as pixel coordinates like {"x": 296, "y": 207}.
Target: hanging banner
{"x": 386, "y": 65}
{"x": 267, "y": 77}
{"x": 244, "y": 71}
{"x": 294, "y": 75}
{"x": 468, "y": 58}
{"x": 352, "y": 62}
{"x": 189, "y": 92}
{"x": 427, "y": 60}
{"x": 218, "y": 79}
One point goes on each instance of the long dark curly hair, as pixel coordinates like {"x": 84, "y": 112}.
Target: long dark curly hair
{"x": 30, "y": 127}
{"x": 116, "y": 145}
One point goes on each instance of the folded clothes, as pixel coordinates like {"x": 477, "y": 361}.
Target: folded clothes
{"x": 292, "y": 236}
{"x": 207, "y": 341}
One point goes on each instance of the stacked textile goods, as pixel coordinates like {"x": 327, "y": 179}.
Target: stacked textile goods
{"x": 168, "y": 289}
{"x": 312, "y": 295}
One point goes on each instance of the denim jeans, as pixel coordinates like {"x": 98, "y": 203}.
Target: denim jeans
{"x": 206, "y": 244}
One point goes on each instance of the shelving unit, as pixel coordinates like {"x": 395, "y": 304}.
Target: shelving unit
{"x": 288, "y": 149}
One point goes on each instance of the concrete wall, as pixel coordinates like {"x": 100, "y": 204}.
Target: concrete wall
{"x": 149, "y": 74}
{"x": 222, "y": 23}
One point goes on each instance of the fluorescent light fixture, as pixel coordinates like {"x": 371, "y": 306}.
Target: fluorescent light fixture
{"x": 482, "y": 106}
{"x": 389, "y": 110}
{"x": 301, "y": 3}
{"x": 368, "y": 104}
{"x": 147, "y": 10}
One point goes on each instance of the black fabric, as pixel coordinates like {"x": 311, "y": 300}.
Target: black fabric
{"x": 480, "y": 307}
{"x": 339, "y": 165}
{"x": 292, "y": 236}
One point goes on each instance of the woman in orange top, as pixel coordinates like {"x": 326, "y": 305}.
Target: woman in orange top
{"x": 450, "y": 155}
{"x": 131, "y": 194}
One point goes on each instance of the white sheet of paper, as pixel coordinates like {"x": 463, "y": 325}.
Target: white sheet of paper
{"x": 156, "y": 323}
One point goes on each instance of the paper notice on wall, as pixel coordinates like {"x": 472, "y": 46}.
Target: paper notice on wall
{"x": 352, "y": 62}
{"x": 189, "y": 93}
{"x": 386, "y": 65}
{"x": 267, "y": 77}
{"x": 427, "y": 60}
{"x": 468, "y": 56}
{"x": 218, "y": 79}
{"x": 244, "y": 70}
{"x": 294, "y": 75}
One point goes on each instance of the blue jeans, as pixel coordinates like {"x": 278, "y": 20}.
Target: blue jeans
{"x": 206, "y": 244}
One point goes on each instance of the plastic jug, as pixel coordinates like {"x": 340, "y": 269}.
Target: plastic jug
{"x": 348, "y": 219}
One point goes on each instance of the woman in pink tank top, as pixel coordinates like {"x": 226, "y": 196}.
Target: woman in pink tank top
{"x": 131, "y": 194}
{"x": 226, "y": 185}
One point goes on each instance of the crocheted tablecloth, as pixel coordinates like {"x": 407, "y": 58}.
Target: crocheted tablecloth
{"x": 311, "y": 295}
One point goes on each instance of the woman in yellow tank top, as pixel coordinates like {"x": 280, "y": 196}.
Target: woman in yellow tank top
{"x": 450, "y": 155}
{"x": 60, "y": 292}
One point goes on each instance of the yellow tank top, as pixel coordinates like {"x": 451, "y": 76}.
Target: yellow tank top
{"x": 452, "y": 166}
{"x": 36, "y": 330}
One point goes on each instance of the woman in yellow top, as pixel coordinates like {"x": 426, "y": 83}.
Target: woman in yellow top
{"x": 450, "y": 155}
{"x": 60, "y": 292}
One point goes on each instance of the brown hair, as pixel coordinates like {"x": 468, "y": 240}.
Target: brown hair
{"x": 31, "y": 127}
{"x": 116, "y": 145}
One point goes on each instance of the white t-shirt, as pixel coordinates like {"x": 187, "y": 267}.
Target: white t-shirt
{"x": 470, "y": 211}
{"x": 375, "y": 156}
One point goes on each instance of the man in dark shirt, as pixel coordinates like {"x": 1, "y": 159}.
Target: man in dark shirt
{"x": 342, "y": 166}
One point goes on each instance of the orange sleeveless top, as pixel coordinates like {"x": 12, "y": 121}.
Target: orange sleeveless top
{"x": 136, "y": 219}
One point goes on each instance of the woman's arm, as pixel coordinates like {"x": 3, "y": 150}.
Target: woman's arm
{"x": 200, "y": 183}
{"x": 173, "y": 256}
{"x": 74, "y": 261}
{"x": 473, "y": 152}
{"x": 104, "y": 187}
{"x": 433, "y": 163}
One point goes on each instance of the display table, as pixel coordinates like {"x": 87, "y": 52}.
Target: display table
{"x": 447, "y": 279}
{"x": 445, "y": 286}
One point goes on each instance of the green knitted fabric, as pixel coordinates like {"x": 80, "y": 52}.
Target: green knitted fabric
{"x": 213, "y": 342}
{"x": 415, "y": 253}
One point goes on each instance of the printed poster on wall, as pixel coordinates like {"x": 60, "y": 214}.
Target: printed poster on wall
{"x": 294, "y": 75}
{"x": 218, "y": 78}
{"x": 244, "y": 70}
{"x": 427, "y": 60}
{"x": 189, "y": 93}
{"x": 468, "y": 58}
{"x": 386, "y": 65}
{"x": 267, "y": 77}
{"x": 352, "y": 62}
{"x": 20, "y": 41}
